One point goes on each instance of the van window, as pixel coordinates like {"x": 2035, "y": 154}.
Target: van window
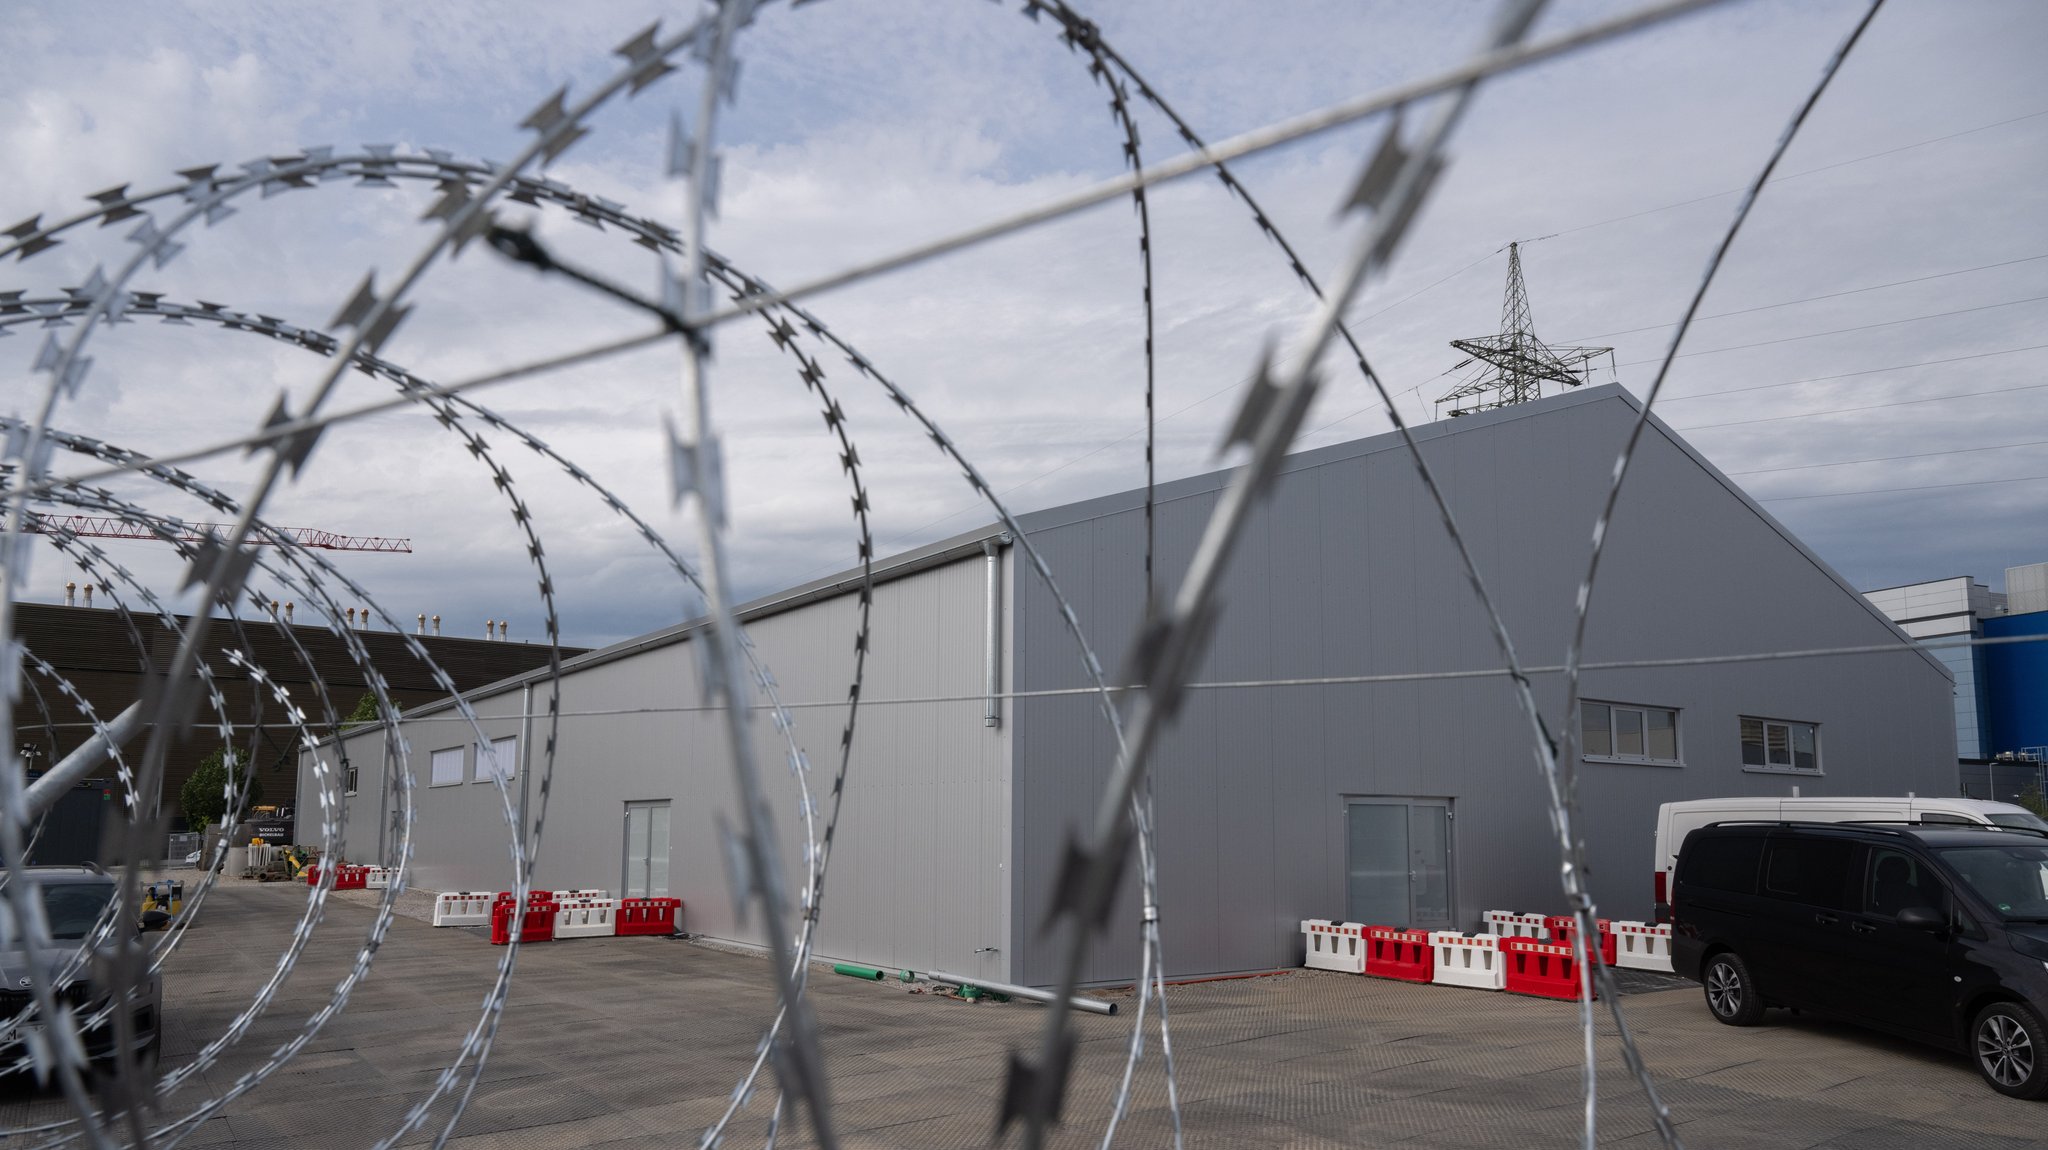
{"x": 1722, "y": 862}
{"x": 2025, "y": 820}
{"x": 1898, "y": 880}
{"x": 1945, "y": 818}
{"x": 1814, "y": 871}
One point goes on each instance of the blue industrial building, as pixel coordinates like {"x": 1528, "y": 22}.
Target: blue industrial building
{"x": 2001, "y": 689}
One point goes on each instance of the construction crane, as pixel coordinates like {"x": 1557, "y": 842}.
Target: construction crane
{"x": 108, "y": 527}
{"x": 1516, "y": 361}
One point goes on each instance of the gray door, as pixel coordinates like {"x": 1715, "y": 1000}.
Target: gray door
{"x": 1398, "y": 862}
{"x": 646, "y": 837}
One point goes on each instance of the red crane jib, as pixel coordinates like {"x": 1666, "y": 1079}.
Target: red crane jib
{"x": 108, "y": 527}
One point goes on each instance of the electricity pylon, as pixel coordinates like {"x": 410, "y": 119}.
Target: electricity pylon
{"x": 1516, "y": 361}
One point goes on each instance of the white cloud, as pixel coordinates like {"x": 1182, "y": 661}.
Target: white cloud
{"x": 864, "y": 126}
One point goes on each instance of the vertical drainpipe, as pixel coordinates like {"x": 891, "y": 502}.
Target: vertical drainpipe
{"x": 992, "y": 671}
{"x": 525, "y": 759}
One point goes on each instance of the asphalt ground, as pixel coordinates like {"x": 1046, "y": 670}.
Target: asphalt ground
{"x": 639, "y": 1041}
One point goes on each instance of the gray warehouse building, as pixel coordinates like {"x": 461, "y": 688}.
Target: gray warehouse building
{"x": 1414, "y": 801}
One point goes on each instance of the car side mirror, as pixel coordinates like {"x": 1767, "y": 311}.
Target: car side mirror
{"x": 1923, "y": 918}
{"x": 154, "y": 920}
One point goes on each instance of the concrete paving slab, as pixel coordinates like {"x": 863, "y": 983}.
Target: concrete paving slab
{"x": 637, "y": 1041}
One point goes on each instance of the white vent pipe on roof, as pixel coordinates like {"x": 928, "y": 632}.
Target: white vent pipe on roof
{"x": 88, "y": 594}
{"x": 423, "y": 624}
{"x": 502, "y": 627}
{"x": 70, "y": 594}
{"x": 490, "y": 629}
{"x": 437, "y": 624}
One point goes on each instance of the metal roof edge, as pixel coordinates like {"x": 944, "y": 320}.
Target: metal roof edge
{"x": 887, "y": 570}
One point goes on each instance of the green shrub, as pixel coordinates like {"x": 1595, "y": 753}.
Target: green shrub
{"x": 2032, "y": 799}
{"x": 204, "y": 799}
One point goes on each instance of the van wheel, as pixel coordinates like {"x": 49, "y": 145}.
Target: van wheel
{"x": 1731, "y": 992}
{"x": 2011, "y": 1048}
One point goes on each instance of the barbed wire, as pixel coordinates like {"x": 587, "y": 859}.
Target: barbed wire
{"x": 737, "y": 686}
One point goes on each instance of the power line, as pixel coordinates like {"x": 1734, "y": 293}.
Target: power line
{"x": 1919, "y": 487}
{"x": 1824, "y": 295}
{"x": 1843, "y": 330}
{"x": 1807, "y": 172}
{"x": 1851, "y": 374}
{"x": 1889, "y": 458}
{"x": 1868, "y": 407}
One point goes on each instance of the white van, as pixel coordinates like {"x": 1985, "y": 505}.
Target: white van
{"x": 1676, "y": 820}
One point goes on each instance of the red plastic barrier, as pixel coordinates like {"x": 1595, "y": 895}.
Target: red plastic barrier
{"x": 648, "y": 915}
{"x": 538, "y": 924}
{"x": 1544, "y": 969}
{"x": 1561, "y": 926}
{"x": 1402, "y": 954}
{"x": 312, "y": 874}
{"x": 348, "y": 877}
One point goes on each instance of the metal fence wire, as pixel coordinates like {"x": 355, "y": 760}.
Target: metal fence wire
{"x": 702, "y": 292}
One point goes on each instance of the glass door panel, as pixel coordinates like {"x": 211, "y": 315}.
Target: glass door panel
{"x": 1377, "y": 886}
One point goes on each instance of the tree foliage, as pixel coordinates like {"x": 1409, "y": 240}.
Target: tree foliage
{"x": 365, "y": 712}
{"x": 204, "y": 798}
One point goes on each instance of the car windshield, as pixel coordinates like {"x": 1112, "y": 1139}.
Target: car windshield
{"x": 2025, "y": 820}
{"x": 2012, "y": 878}
{"x": 74, "y": 907}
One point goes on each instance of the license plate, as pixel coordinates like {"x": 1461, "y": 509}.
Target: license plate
{"x": 15, "y": 1034}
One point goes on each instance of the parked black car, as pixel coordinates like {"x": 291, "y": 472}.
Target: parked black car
{"x": 75, "y": 899}
{"x": 1934, "y": 933}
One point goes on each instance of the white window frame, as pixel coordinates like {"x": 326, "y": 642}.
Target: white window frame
{"x": 1643, "y": 709}
{"x": 508, "y": 758}
{"x": 1788, "y": 768}
{"x": 440, "y": 759}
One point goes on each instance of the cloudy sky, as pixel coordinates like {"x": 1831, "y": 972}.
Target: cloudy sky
{"x": 1869, "y": 365}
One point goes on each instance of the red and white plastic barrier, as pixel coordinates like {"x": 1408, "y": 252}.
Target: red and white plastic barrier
{"x": 1338, "y": 946}
{"x": 537, "y": 924}
{"x": 1561, "y": 927}
{"x": 1643, "y": 946}
{"x": 649, "y": 915}
{"x": 1472, "y": 960}
{"x": 378, "y": 878}
{"x": 1510, "y": 924}
{"x": 587, "y": 918}
{"x": 1544, "y": 969}
{"x": 463, "y": 908}
{"x": 1402, "y": 954}
{"x": 580, "y": 893}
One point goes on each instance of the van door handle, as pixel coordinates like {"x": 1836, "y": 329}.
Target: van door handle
{"x": 1862, "y": 928}
{"x": 1827, "y": 919}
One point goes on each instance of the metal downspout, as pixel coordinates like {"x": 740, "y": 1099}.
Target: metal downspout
{"x": 992, "y": 670}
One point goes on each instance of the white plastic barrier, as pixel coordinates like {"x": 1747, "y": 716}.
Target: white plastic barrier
{"x": 1472, "y": 960}
{"x": 1643, "y": 946}
{"x": 1508, "y": 924}
{"x": 463, "y": 908}
{"x": 587, "y": 918}
{"x": 1338, "y": 946}
{"x": 377, "y": 878}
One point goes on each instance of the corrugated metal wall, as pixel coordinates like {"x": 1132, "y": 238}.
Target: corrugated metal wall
{"x": 1347, "y": 571}
{"x": 917, "y": 874}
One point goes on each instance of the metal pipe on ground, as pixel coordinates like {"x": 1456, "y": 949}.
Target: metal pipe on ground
{"x": 1078, "y": 1002}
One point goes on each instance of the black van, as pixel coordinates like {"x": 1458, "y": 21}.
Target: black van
{"x": 1934, "y": 933}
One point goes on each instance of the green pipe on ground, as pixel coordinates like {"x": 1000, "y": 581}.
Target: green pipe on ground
{"x": 853, "y": 970}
